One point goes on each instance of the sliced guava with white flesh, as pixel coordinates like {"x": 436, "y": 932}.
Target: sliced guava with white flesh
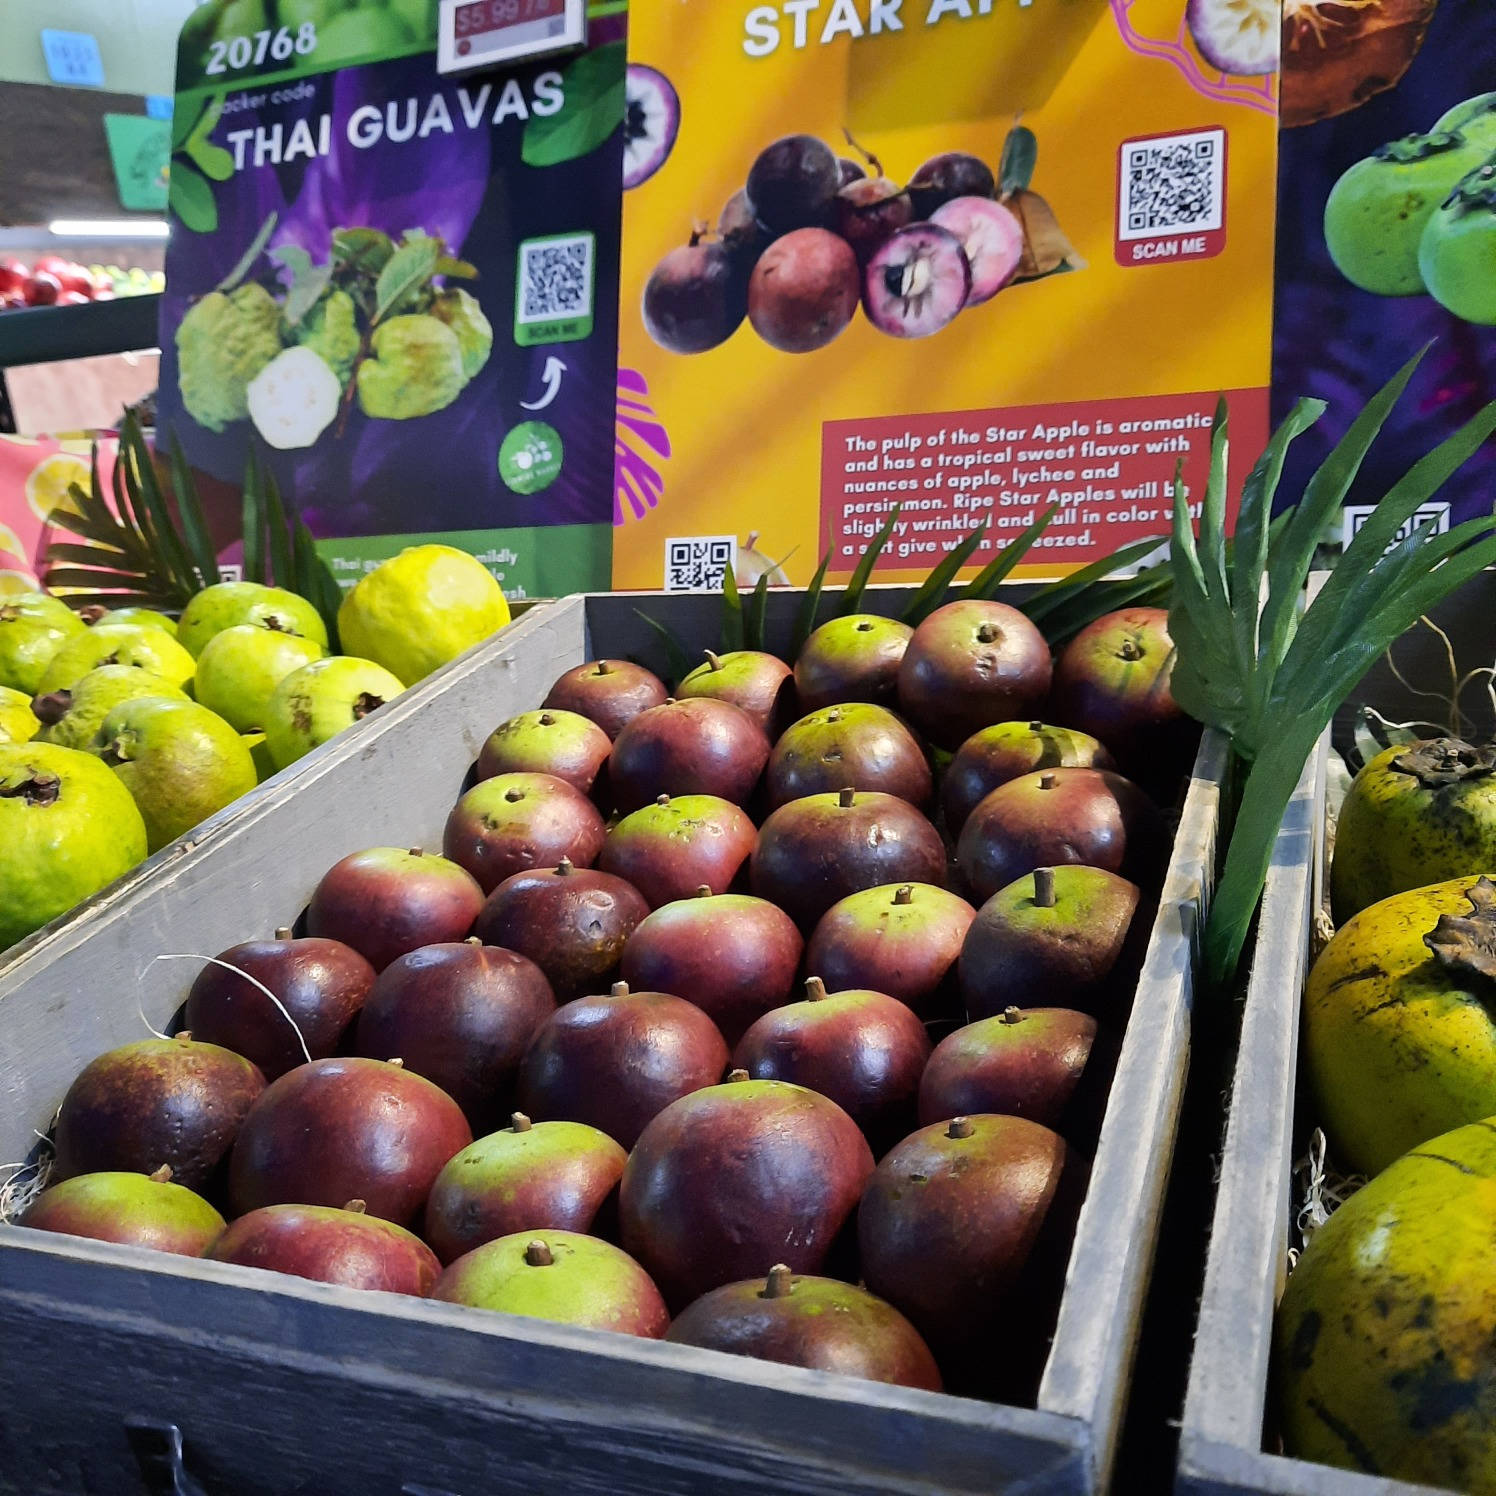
{"x": 1241, "y": 37}
{"x": 651, "y": 121}
{"x": 294, "y": 398}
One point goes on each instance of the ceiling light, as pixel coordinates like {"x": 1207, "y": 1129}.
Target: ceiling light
{"x": 109, "y": 228}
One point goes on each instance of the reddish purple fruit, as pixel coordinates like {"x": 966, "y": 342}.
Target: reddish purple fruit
{"x": 865, "y": 1050}
{"x": 900, "y": 938}
{"x": 1071, "y": 934}
{"x": 970, "y": 664}
{"x": 320, "y": 984}
{"x": 819, "y": 1323}
{"x": 1005, "y": 751}
{"x": 175, "y": 1101}
{"x": 950, "y": 175}
{"x": 966, "y": 1229}
{"x": 731, "y": 1180}
{"x": 564, "y": 745}
{"x": 331, "y": 1244}
{"x": 855, "y": 746}
{"x": 617, "y": 1062}
{"x": 855, "y": 658}
{"x": 694, "y": 299}
{"x": 571, "y": 922}
{"x": 1113, "y": 680}
{"x": 1058, "y": 817}
{"x": 916, "y": 282}
{"x": 698, "y": 746}
{"x": 792, "y": 183}
{"x": 672, "y": 848}
{"x": 462, "y": 1015}
{"x": 1045, "y": 1064}
{"x": 869, "y": 209}
{"x": 803, "y": 290}
{"x": 136, "y": 1210}
{"x": 744, "y": 237}
{"x": 514, "y": 822}
{"x": 346, "y": 1129}
{"x": 992, "y": 239}
{"x": 761, "y": 684}
{"x": 734, "y": 956}
{"x": 560, "y": 1276}
{"x": 387, "y": 901}
{"x": 557, "y": 1175}
{"x": 609, "y": 692}
{"x": 815, "y": 851}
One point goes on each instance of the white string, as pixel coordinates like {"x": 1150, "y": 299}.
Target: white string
{"x": 254, "y": 981}
{"x": 139, "y": 1008}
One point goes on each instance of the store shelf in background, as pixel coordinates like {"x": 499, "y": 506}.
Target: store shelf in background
{"x": 46, "y": 334}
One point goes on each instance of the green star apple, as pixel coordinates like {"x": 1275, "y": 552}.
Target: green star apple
{"x": 318, "y": 701}
{"x": 240, "y": 668}
{"x": 180, "y": 762}
{"x": 68, "y": 826}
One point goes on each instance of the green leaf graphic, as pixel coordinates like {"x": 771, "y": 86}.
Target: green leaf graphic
{"x": 212, "y": 160}
{"x": 594, "y": 106}
{"x": 192, "y": 200}
{"x": 409, "y": 268}
{"x": 250, "y": 255}
{"x": 308, "y": 280}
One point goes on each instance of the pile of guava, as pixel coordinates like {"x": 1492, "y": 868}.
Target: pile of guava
{"x": 1419, "y": 215}
{"x": 292, "y": 344}
{"x": 812, "y": 236}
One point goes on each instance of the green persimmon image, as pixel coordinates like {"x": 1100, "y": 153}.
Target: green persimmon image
{"x": 1376, "y": 212}
{"x": 1457, "y": 255}
{"x": 1475, "y": 119}
{"x": 416, "y": 369}
{"x": 223, "y": 342}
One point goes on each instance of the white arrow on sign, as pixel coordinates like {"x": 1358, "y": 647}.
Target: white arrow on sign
{"x": 554, "y": 369}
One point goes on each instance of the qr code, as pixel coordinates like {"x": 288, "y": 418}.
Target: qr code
{"x": 698, "y": 563}
{"x": 555, "y": 278}
{"x": 1172, "y": 182}
{"x": 1353, "y": 516}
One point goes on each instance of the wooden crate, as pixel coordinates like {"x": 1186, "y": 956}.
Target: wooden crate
{"x": 280, "y": 1385}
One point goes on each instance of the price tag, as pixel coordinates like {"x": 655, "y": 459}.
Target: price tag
{"x": 474, "y": 34}
{"x": 73, "y": 58}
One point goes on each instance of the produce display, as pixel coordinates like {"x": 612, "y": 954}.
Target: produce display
{"x": 52, "y": 280}
{"x": 671, "y": 1036}
{"x": 194, "y": 711}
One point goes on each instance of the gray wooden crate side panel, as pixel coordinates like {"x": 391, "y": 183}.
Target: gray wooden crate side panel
{"x": 1208, "y": 1468}
{"x": 199, "y": 1330}
{"x": 76, "y": 997}
{"x": 1226, "y": 1395}
{"x": 1096, "y": 1337}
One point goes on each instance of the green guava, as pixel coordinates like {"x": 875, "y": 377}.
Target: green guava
{"x": 18, "y": 723}
{"x": 180, "y": 762}
{"x": 142, "y": 616}
{"x": 222, "y": 343}
{"x": 330, "y": 330}
{"x": 420, "y": 609}
{"x": 33, "y": 627}
{"x": 117, "y": 644}
{"x": 1376, "y": 212}
{"x": 227, "y": 604}
{"x": 68, "y": 827}
{"x": 296, "y": 13}
{"x": 1458, "y": 253}
{"x": 74, "y": 716}
{"x": 464, "y": 316}
{"x": 318, "y": 701}
{"x": 259, "y": 751}
{"x": 416, "y": 369}
{"x": 294, "y": 399}
{"x": 366, "y": 31}
{"x": 240, "y": 668}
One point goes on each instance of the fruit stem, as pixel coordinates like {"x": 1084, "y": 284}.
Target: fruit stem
{"x": 662, "y": 799}
{"x": 847, "y": 798}
{"x": 960, "y": 1128}
{"x": 1044, "y": 887}
{"x": 733, "y": 1076}
{"x": 537, "y": 1254}
{"x": 397, "y": 1063}
{"x": 183, "y": 1036}
{"x": 703, "y": 890}
{"x": 52, "y": 707}
{"x": 547, "y": 719}
{"x": 1046, "y": 781}
{"x": 1130, "y": 650}
{"x": 417, "y": 851}
{"x": 905, "y": 895}
{"x": 1036, "y": 727}
{"x": 519, "y": 1123}
{"x": 714, "y": 660}
{"x": 564, "y": 867}
{"x": 988, "y": 633}
{"x": 283, "y": 932}
{"x": 779, "y": 1282}
{"x": 620, "y": 989}
{"x": 602, "y": 668}
{"x": 358, "y": 1207}
{"x": 163, "y": 1174}
{"x": 1012, "y": 1015}
{"x": 815, "y": 989}
{"x": 863, "y": 151}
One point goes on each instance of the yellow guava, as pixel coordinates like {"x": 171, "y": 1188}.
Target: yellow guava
{"x": 18, "y": 723}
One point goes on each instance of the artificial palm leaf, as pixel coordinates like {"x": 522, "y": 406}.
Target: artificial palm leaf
{"x": 755, "y": 617}
{"x": 1251, "y": 663}
{"x": 806, "y": 618}
{"x": 992, "y": 575}
{"x": 732, "y": 613}
{"x": 863, "y": 573}
{"x": 933, "y": 589}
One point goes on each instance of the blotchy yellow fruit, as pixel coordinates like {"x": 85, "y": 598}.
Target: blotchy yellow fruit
{"x": 1385, "y": 1344}
{"x": 420, "y": 609}
{"x": 1400, "y": 1041}
{"x": 68, "y": 827}
{"x": 18, "y": 723}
